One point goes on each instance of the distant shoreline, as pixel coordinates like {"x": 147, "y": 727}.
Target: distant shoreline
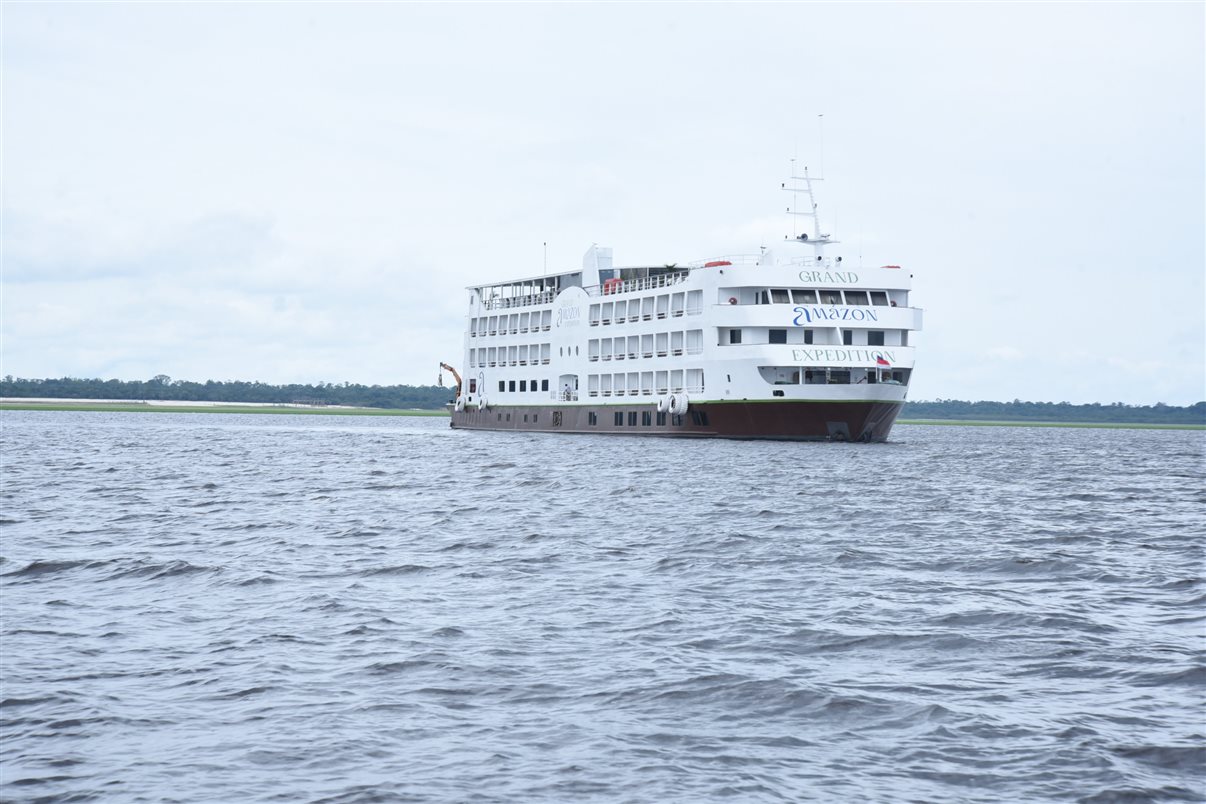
{"x": 318, "y": 410}
{"x": 1021, "y": 423}
{"x": 213, "y": 407}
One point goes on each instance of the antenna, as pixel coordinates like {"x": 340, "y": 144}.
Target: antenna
{"x": 821, "y": 126}
{"x": 546, "y": 258}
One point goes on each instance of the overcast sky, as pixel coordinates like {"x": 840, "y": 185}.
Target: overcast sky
{"x": 294, "y": 192}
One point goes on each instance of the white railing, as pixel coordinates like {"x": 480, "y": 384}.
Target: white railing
{"x": 521, "y": 301}
{"x": 635, "y": 285}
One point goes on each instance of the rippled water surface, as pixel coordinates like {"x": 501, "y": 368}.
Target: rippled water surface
{"x": 204, "y": 607}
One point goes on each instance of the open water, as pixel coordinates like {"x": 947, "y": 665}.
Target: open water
{"x": 204, "y": 607}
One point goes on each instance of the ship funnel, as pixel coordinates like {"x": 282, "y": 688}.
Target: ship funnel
{"x": 597, "y": 258}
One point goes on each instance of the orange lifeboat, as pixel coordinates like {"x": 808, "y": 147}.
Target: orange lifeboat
{"x": 716, "y": 263}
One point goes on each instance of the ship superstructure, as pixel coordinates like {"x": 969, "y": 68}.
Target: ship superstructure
{"x": 786, "y": 344}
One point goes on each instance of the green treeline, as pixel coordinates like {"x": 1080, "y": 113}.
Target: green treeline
{"x": 432, "y": 397}
{"x": 427, "y": 397}
{"x": 1019, "y": 411}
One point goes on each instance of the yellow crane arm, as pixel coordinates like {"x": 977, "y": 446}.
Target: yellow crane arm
{"x": 455, "y": 375}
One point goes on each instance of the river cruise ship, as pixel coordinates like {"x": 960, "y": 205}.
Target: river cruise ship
{"x": 789, "y": 343}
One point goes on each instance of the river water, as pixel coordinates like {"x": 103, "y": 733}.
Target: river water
{"x": 207, "y": 607}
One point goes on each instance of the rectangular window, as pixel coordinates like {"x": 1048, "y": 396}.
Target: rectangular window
{"x": 525, "y": 418}
{"x": 534, "y": 415}
{"x": 879, "y": 298}
{"x": 473, "y": 386}
{"x": 778, "y": 336}
{"x": 511, "y": 385}
{"x": 646, "y": 418}
{"x": 856, "y": 297}
{"x": 533, "y": 385}
{"x": 632, "y": 418}
{"x": 847, "y": 337}
{"x": 779, "y": 296}
{"x": 804, "y": 296}
{"x": 734, "y": 336}
{"x": 831, "y": 297}
{"x": 592, "y": 419}
{"x": 875, "y": 337}
{"x": 502, "y": 385}
{"x": 523, "y": 386}
{"x": 808, "y": 336}
{"x": 676, "y": 420}
{"x": 619, "y": 418}
{"x": 763, "y": 298}
{"x": 544, "y": 385}
{"x": 700, "y": 418}
{"x": 661, "y": 419}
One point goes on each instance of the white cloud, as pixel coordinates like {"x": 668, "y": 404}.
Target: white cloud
{"x": 300, "y": 191}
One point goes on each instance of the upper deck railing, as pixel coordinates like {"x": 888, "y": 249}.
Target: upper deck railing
{"x": 614, "y": 286}
{"x": 530, "y": 300}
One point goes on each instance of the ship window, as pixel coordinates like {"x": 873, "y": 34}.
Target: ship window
{"x": 591, "y": 418}
{"x": 533, "y": 385}
{"x": 544, "y": 385}
{"x": 808, "y": 336}
{"x": 839, "y": 376}
{"x": 699, "y": 417}
{"x": 778, "y": 336}
{"x": 734, "y": 336}
{"x": 875, "y": 337}
{"x": 619, "y": 418}
{"x": 632, "y": 418}
{"x": 511, "y": 386}
{"x": 502, "y": 386}
{"x": 847, "y": 337}
{"x": 856, "y": 297}
{"x": 661, "y": 419}
{"x": 779, "y": 296}
{"x": 508, "y": 417}
{"x": 523, "y": 386}
{"x": 676, "y": 420}
{"x": 831, "y": 297}
{"x": 500, "y": 417}
{"x": 879, "y": 298}
{"x": 646, "y": 418}
{"x": 473, "y": 386}
{"x": 534, "y": 415}
{"x": 525, "y": 418}
{"x": 763, "y": 298}
{"x": 804, "y": 296}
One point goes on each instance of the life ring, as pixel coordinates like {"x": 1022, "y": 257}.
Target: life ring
{"x": 460, "y": 404}
{"x": 663, "y": 404}
{"x": 481, "y": 403}
{"x": 679, "y": 404}
{"x": 732, "y": 299}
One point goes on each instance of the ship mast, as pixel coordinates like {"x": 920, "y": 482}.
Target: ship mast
{"x": 817, "y": 239}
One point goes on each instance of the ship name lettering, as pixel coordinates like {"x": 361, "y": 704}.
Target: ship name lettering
{"x": 806, "y": 315}
{"x": 828, "y": 277}
{"x": 568, "y": 316}
{"x": 823, "y": 356}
